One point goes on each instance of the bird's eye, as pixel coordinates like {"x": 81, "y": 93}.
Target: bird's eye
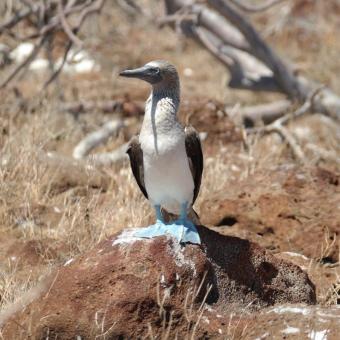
{"x": 155, "y": 70}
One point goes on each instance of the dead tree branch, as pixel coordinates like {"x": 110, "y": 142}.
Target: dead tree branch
{"x": 278, "y": 125}
{"x": 252, "y": 63}
{"x": 108, "y": 158}
{"x": 254, "y": 9}
{"x": 46, "y": 19}
{"x": 17, "y": 17}
{"x": 288, "y": 137}
{"x": 24, "y": 63}
{"x": 96, "y": 138}
{"x": 265, "y": 113}
{"x": 66, "y": 27}
{"x": 56, "y": 73}
{"x": 305, "y": 108}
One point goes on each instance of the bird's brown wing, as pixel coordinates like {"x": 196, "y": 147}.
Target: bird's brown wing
{"x": 135, "y": 153}
{"x": 195, "y": 156}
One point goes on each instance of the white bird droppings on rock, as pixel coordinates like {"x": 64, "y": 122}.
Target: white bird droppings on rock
{"x": 126, "y": 237}
{"x": 176, "y": 249}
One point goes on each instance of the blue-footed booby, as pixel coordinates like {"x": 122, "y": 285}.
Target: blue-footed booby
{"x": 166, "y": 158}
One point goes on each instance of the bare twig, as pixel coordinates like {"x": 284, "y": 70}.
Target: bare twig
{"x": 26, "y": 62}
{"x": 278, "y": 125}
{"x": 288, "y": 137}
{"x": 59, "y": 69}
{"x": 17, "y": 17}
{"x": 88, "y": 10}
{"x": 307, "y": 106}
{"x": 47, "y": 18}
{"x": 66, "y": 26}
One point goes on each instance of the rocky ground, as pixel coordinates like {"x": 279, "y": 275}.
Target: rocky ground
{"x": 269, "y": 266}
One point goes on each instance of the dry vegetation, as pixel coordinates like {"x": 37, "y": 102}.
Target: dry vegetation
{"x": 52, "y": 210}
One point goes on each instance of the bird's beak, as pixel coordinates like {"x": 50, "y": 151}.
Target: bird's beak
{"x": 141, "y": 73}
{"x": 147, "y": 73}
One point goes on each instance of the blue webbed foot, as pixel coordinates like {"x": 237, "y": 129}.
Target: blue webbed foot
{"x": 157, "y": 229}
{"x": 182, "y": 229}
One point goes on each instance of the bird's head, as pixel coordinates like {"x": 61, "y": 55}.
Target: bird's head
{"x": 157, "y": 73}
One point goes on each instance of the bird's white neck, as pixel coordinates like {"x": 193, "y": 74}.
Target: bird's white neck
{"x": 160, "y": 119}
{"x": 161, "y": 109}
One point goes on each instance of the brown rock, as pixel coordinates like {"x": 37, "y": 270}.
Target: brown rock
{"x": 325, "y": 277}
{"x": 128, "y": 288}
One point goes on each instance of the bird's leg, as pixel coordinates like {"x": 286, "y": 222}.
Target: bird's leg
{"x": 183, "y": 229}
{"x": 159, "y": 216}
{"x": 184, "y": 212}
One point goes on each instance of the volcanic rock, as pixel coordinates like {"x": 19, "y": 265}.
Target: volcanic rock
{"x": 127, "y": 287}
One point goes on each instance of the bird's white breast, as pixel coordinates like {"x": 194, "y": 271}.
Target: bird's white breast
{"x": 167, "y": 176}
